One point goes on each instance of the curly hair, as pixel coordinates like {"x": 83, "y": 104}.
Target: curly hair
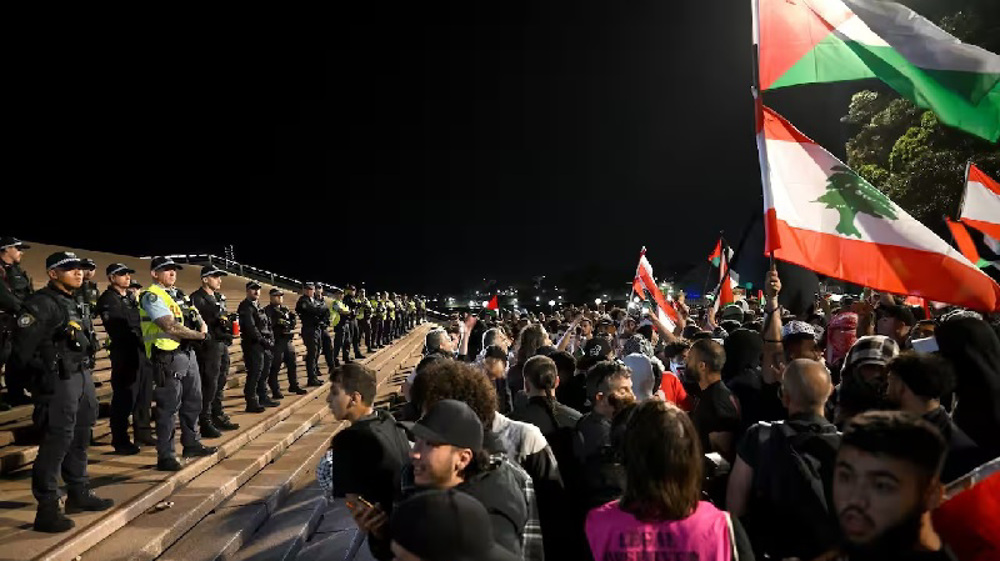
{"x": 450, "y": 379}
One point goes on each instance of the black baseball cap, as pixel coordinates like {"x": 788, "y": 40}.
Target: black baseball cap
{"x": 119, "y": 269}
{"x": 63, "y": 260}
{"x": 449, "y": 422}
{"x": 135, "y": 284}
{"x": 276, "y": 292}
{"x": 158, "y": 263}
{"x": 446, "y": 525}
{"x": 212, "y": 271}
{"x": 10, "y": 241}
{"x": 597, "y": 347}
{"x": 253, "y": 284}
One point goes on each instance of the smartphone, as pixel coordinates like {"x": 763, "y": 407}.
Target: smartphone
{"x": 361, "y": 500}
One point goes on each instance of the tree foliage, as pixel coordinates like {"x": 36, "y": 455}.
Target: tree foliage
{"x": 908, "y": 154}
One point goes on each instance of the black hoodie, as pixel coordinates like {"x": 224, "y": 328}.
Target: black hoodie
{"x": 974, "y": 351}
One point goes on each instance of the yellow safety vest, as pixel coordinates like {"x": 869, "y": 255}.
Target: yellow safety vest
{"x": 337, "y": 308}
{"x": 392, "y": 309}
{"x": 360, "y": 311}
{"x": 152, "y": 335}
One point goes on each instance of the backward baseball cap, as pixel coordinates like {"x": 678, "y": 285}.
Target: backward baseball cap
{"x": 871, "y": 349}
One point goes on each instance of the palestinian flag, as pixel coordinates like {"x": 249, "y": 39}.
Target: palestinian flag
{"x": 821, "y": 41}
{"x": 822, "y": 215}
{"x": 981, "y": 202}
{"x": 666, "y": 313}
{"x": 963, "y": 241}
{"x": 715, "y": 258}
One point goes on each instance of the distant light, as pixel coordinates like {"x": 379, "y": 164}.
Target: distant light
{"x": 597, "y": 301}
{"x": 472, "y": 303}
{"x": 485, "y": 303}
{"x": 537, "y": 298}
{"x": 552, "y": 302}
{"x": 605, "y": 295}
{"x": 560, "y": 297}
{"x": 636, "y": 299}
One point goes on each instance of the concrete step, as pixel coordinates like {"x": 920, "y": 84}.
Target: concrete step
{"x": 132, "y": 482}
{"x": 231, "y": 499}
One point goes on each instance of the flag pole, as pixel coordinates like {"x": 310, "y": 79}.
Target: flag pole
{"x": 755, "y": 91}
{"x": 965, "y": 190}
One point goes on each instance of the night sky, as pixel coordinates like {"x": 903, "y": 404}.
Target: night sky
{"x": 415, "y": 151}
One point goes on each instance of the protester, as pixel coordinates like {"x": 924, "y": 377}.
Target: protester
{"x": 886, "y": 482}
{"x": 895, "y": 321}
{"x": 755, "y": 389}
{"x": 495, "y": 361}
{"x": 609, "y": 389}
{"x": 715, "y": 414}
{"x": 448, "y": 453}
{"x": 530, "y": 340}
{"x": 863, "y": 380}
{"x": 781, "y": 480}
{"x": 445, "y": 526}
{"x": 660, "y": 515}
{"x": 973, "y": 350}
{"x": 841, "y": 334}
{"x": 916, "y": 383}
{"x": 644, "y": 385}
{"x": 366, "y": 458}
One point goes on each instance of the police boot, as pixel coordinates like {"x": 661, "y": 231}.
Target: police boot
{"x": 49, "y": 518}
{"x": 85, "y": 500}
{"x": 267, "y": 401}
{"x": 313, "y": 383}
{"x": 222, "y": 422}
{"x": 254, "y": 407}
{"x": 208, "y": 430}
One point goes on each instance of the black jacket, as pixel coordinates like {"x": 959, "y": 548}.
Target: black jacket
{"x": 45, "y": 346}
{"x": 310, "y": 311}
{"x": 120, "y": 316}
{"x": 255, "y": 329}
{"x": 15, "y": 286}
{"x": 282, "y": 320}
{"x": 213, "y": 310}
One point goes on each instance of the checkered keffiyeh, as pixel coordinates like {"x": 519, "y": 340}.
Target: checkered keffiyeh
{"x": 324, "y": 473}
{"x": 797, "y": 327}
{"x": 637, "y": 344}
{"x": 877, "y": 349}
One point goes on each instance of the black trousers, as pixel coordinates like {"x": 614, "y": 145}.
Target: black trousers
{"x": 366, "y": 331}
{"x": 258, "y": 361}
{"x": 342, "y": 340}
{"x": 283, "y": 353}
{"x": 64, "y": 416}
{"x": 328, "y": 352}
{"x": 132, "y": 387}
{"x": 355, "y": 337}
{"x": 15, "y": 386}
{"x": 311, "y": 337}
{"x": 213, "y": 365}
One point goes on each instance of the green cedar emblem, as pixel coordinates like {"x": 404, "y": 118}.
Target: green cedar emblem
{"x": 848, "y": 193}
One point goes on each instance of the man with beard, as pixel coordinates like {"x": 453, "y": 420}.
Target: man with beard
{"x": 886, "y": 483}
{"x": 715, "y": 413}
{"x": 609, "y": 389}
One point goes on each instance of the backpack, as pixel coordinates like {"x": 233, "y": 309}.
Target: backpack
{"x": 790, "y": 513}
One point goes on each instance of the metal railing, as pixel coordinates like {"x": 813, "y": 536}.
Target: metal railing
{"x": 242, "y": 269}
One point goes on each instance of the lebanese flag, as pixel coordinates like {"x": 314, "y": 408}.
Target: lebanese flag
{"x": 823, "y": 216}
{"x": 963, "y": 240}
{"x": 667, "y": 313}
{"x": 981, "y": 203}
{"x": 823, "y": 41}
{"x": 726, "y": 281}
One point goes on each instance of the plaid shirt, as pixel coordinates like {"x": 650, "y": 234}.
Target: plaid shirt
{"x": 531, "y": 538}
{"x": 324, "y": 473}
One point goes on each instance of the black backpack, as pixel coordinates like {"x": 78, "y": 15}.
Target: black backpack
{"x": 790, "y": 511}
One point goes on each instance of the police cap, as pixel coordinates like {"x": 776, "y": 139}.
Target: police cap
{"x": 135, "y": 284}
{"x": 212, "y": 271}
{"x": 88, "y": 264}
{"x": 276, "y": 292}
{"x": 163, "y": 263}
{"x": 10, "y": 241}
{"x": 63, "y": 260}
{"x": 253, "y": 285}
{"x": 119, "y": 269}
{"x": 309, "y": 285}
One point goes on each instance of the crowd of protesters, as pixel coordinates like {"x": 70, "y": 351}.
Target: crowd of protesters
{"x": 743, "y": 432}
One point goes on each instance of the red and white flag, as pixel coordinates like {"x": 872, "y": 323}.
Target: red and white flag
{"x": 822, "y": 215}
{"x": 981, "y": 202}
{"x": 644, "y": 273}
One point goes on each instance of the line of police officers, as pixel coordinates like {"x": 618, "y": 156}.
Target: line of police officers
{"x": 165, "y": 346}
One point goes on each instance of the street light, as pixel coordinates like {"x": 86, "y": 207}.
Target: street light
{"x": 597, "y": 301}
{"x": 552, "y": 303}
{"x": 485, "y": 303}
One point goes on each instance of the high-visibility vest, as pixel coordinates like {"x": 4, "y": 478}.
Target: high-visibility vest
{"x": 359, "y": 312}
{"x": 392, "y": 309}
{"x": 337, "y": 309}
{"x": 152, "y": 335}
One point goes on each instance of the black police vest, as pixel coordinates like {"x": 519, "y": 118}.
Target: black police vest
{"x": 285, "y": 325}
{"x": 72, "y": 338}
{"x": 16, "y": 280}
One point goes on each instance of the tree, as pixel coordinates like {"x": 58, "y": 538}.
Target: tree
{"x": 907, "y": 153}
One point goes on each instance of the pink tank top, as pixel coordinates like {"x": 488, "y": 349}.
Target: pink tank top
{"x": 615, "y": 535}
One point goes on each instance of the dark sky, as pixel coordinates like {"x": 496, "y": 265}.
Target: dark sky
{"x": 414, "y": 151}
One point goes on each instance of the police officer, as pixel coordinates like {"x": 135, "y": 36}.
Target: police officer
{"x": 284, "y": 321}
{"x": 15, "y": 286}
{"x": 89, "y": 293}
{"x": 133, "y": 291}
{"x": 390, "y": 322}
{"x": 364, "y": 314}
{"x": 257, "y": 341}
{"x": 311, "y": 314}
{"x": 213, "y": 353}
{"x": 168, "y": 333}
{"x": 339, "y": 313}
{"x": 353, "y": 305}
{"x": 131, "y": 380}
{"x": 326, "y": 343}
{"x": 52, "y": 349}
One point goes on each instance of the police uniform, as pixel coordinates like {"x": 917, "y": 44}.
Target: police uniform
{"x": 311, "y": 315}
{"x": 377, "y": 316}
{"x": 131, "y": 380}
{"x": 284, "y": 322}
{"x": 213, "y": 355}
{"x": 176, "y": 380}
{"x": 364, "y": 315}
{"x": 51, "y": 348}
{"x": 257, "y": 341}
{"x": 352, "y": 322}
{"x": 15, "y": 286}
{"x": 339, "y": 314}
{"x": 390, "y": 319}
{"x": 326, "y": 342}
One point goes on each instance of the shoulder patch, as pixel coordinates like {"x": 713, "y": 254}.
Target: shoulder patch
{"x": 25, "y": 320}
{"x": 150, "y": 296}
